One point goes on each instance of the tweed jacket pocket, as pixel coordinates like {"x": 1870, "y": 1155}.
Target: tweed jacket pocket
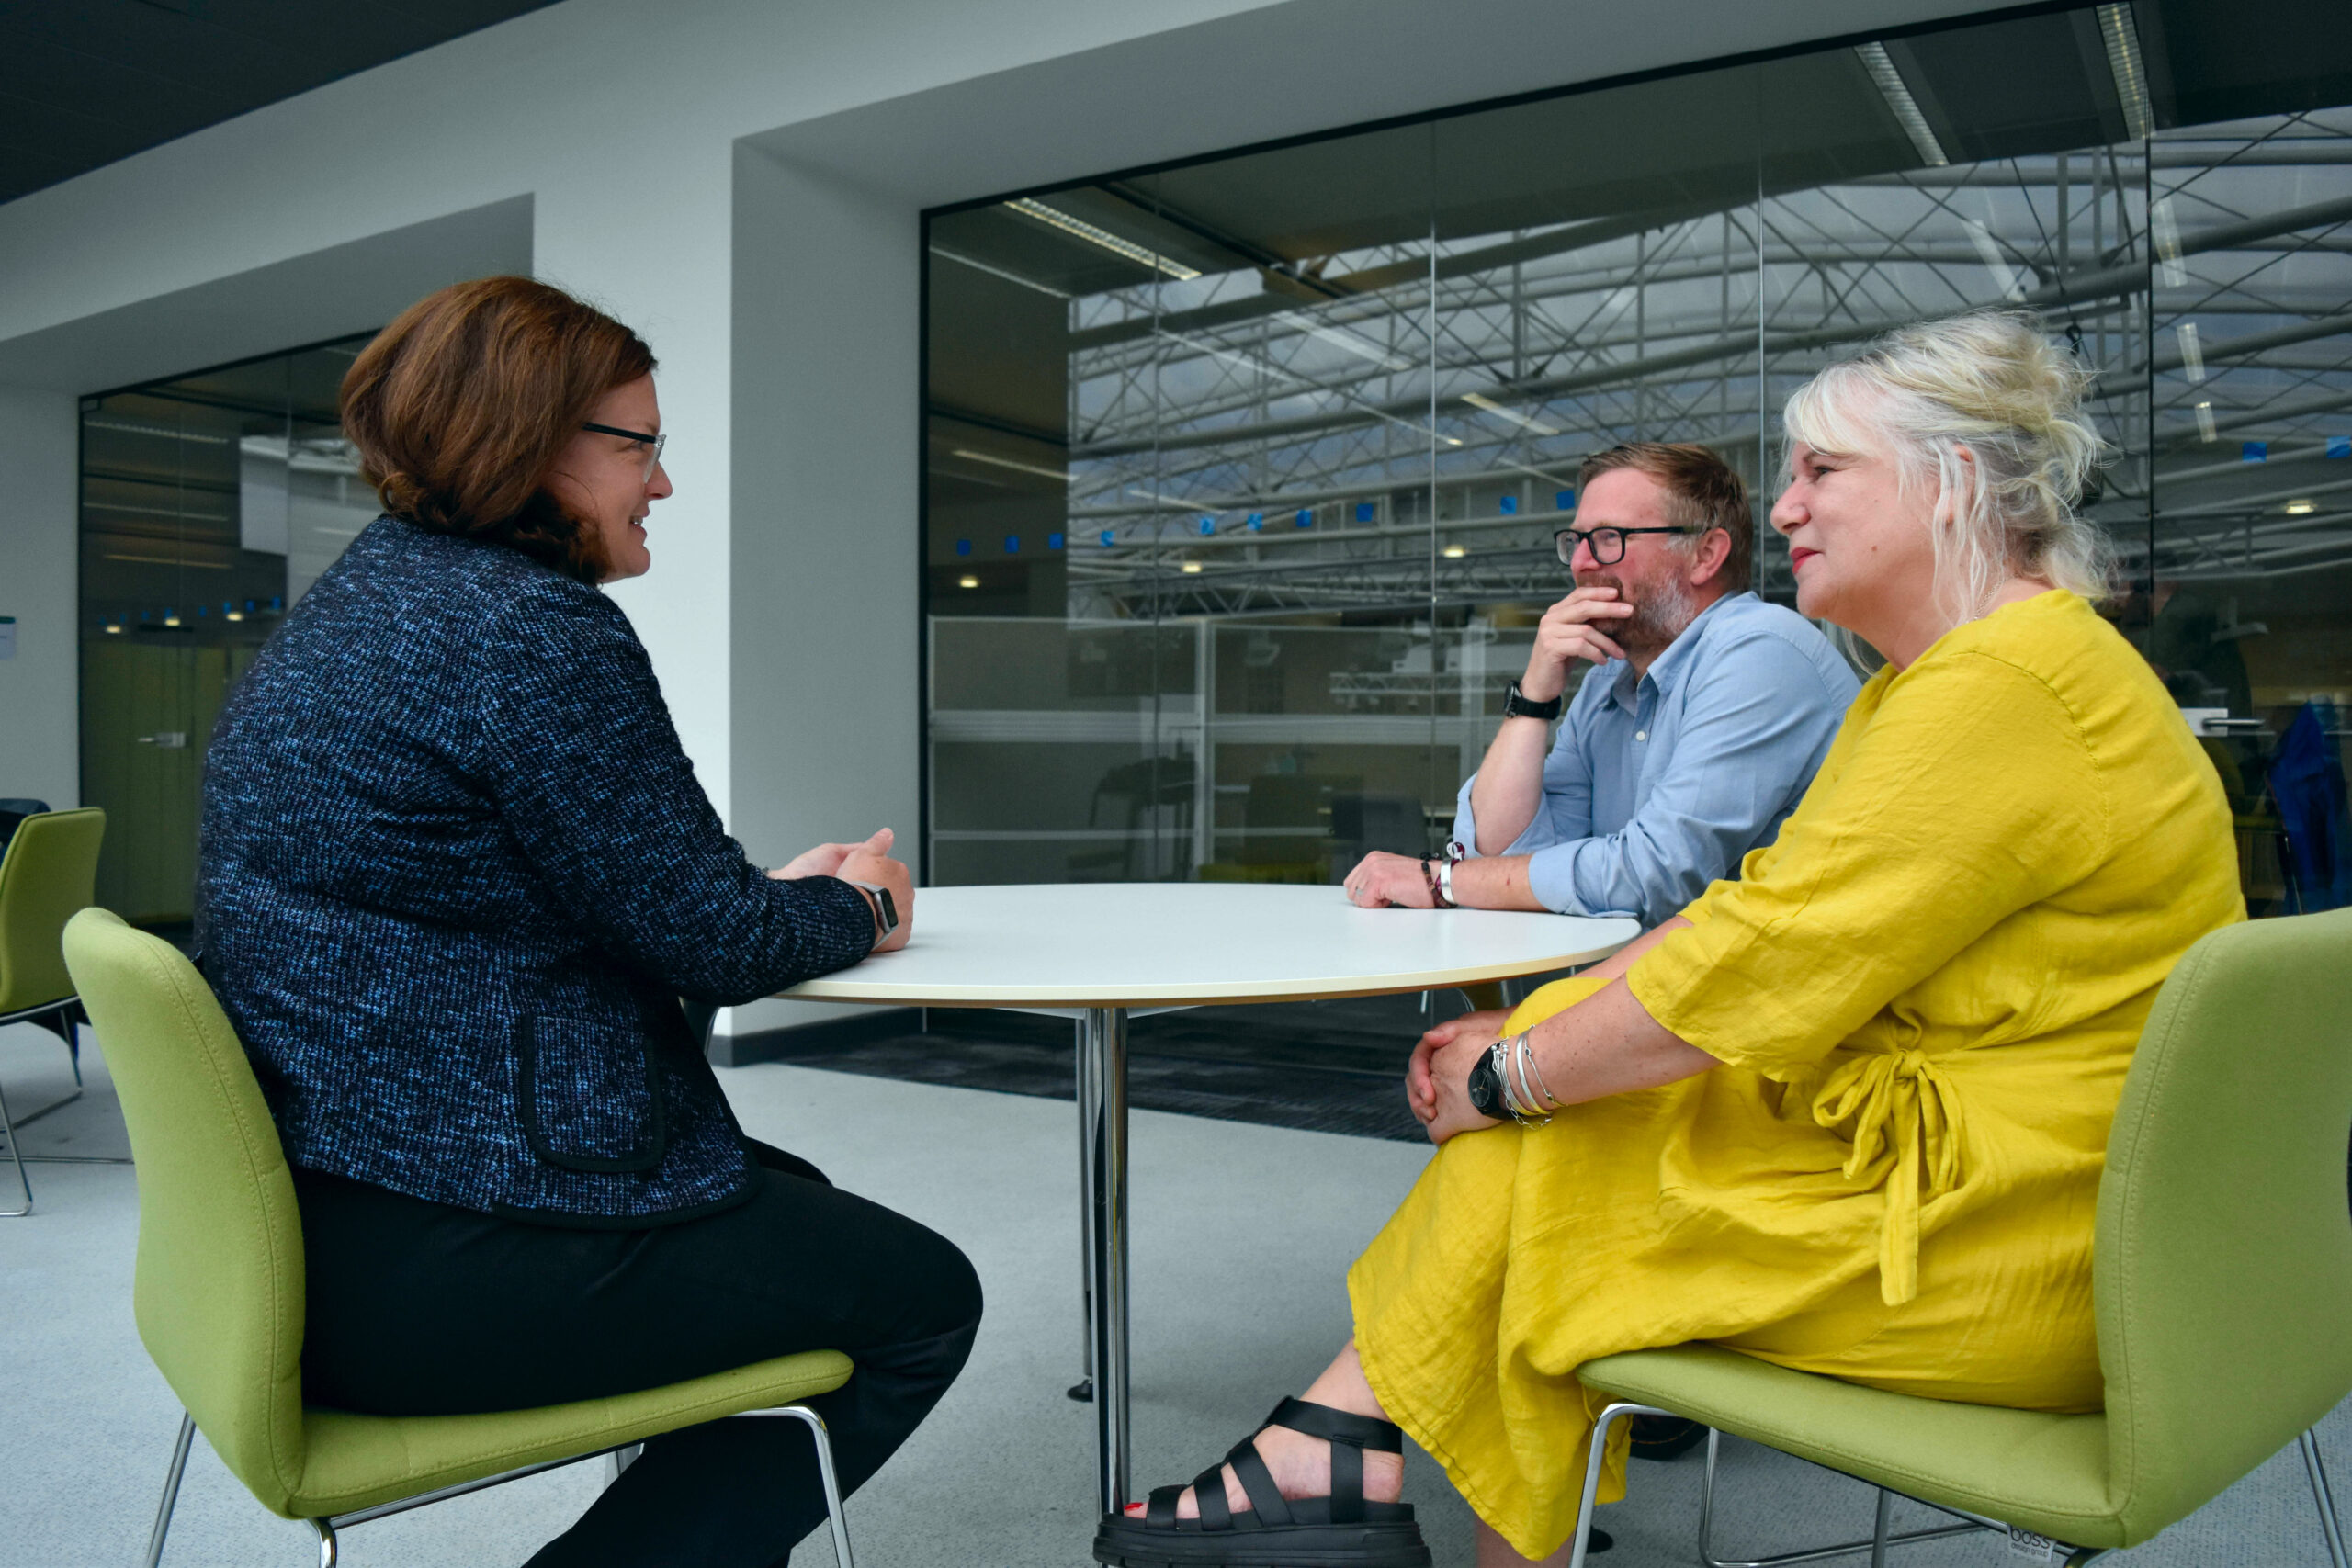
{"x": 588, "y": 1094}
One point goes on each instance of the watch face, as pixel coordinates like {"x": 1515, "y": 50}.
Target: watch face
{"x": 1486, "y": 1089}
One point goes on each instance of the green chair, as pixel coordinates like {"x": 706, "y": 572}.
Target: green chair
{"x": 219, "y": 1295}
{"x": 47, "y": 872}
{"x": 2221, "y": 1275}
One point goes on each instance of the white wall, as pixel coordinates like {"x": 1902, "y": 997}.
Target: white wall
{"x": 742, "y": 180}
{"x": 39, "y": 754}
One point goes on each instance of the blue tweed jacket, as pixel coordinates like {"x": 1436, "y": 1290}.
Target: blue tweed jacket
{"x": 455, "y": 875}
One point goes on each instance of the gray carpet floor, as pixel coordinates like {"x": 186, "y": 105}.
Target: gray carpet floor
{"x": 1241, "y": 1236}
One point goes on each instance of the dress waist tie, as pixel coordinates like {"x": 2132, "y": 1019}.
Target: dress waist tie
{"x": 1899, "y": 1103}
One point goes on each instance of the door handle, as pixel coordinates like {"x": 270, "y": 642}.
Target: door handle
{"x": 167, "y": 739}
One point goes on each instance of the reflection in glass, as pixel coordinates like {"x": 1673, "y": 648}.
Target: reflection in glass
{"x": 210, "y": 504}
{"x": 1301, "y": 424}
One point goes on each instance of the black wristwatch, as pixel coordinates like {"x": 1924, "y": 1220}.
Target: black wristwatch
{"x": 885, "y": 908}
{"x": 1519, "y": 705}
{"x": 1486, "y": 1089}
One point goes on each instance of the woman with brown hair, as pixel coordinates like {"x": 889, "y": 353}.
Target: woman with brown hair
{"x": 457, "y": 876}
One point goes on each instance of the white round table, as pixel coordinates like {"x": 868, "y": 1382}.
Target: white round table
{"x": 1107, "y": 948}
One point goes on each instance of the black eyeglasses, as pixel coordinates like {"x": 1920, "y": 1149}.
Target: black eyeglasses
{"x": 1607, "y": 544}
{"x": 652, "y": 443}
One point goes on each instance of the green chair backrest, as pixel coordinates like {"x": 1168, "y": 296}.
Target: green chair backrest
{"x": 50, "y": 870}
{"x": 2224, "y": 1272}
{"x": 219, "y": 1294}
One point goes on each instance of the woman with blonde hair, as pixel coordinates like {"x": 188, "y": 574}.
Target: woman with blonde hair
{"x": 1848, "y": 1113}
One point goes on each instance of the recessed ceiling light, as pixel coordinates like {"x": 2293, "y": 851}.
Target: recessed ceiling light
{"x": 114, "y": 628}
{"x": 1192, "y": 567}
{"x": 2301, "y": 508}
{"x": 236, "y": 614}
{"x": 1453, "y": 552}
{"x": 968, "y": 581}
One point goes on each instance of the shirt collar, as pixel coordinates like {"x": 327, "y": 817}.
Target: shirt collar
{"x": 1667, "y": 669}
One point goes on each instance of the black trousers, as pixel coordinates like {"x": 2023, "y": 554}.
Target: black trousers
{"x": 421, "y": 1309}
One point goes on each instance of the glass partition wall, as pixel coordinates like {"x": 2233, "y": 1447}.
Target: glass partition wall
{"x": 1242, "y": 476}
{"x": 208, "y": 505}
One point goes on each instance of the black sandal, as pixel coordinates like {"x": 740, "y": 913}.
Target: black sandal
{"x": 1341, "y": 1530}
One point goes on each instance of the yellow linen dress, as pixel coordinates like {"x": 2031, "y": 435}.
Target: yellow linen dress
{"x": 1925, "y": 994}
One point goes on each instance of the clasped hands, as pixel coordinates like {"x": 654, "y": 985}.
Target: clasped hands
{"x": 867, "y": 861}
{"x": 1437, "y": 1079}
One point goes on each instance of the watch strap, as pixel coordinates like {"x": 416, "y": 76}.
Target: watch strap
{"x": 885, "y": 908}
{"x": 1519, "y": 705}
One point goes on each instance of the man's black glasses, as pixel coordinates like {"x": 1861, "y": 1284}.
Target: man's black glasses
{"x": 1607, "y": 544}
{"x": 653, "y": 443}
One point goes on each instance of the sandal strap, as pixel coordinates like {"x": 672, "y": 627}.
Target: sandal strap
{"x": 1258, "y": 1481}
{"x": 1160, "y": 1513}
{"x": 1347, "y": 1483}
{"x": 1209, "y": 1491}
{"x": 1338, "y": 1426}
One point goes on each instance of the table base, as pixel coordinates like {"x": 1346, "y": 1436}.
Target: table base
{"x": 1102, "y": 1204}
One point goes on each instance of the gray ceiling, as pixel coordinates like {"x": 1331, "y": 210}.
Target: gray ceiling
{"x": 86, "y": 82}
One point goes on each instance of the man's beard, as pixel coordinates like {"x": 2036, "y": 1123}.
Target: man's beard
{"x": 1661, "y": 611}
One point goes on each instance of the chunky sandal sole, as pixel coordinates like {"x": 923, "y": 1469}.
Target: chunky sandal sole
{"x": 1386, "y": 1537}
{"x": 1342, "y": 1530}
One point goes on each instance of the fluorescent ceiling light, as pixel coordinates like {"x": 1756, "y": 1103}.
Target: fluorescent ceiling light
{"x": 2120, "y": 29}
{"x": 2301, "y": 508}
{"x": 1906, "y": 108}
{"x": 1192, "y": 567}
{"x": 967, "y": 453}
{"x": 2192, "y": 352}
{"x": 1340, "y": 338}
{"x": 166, "y": 432}
{"x": 2168, "y": 231}
{"x": 2005, "y": 279}
{"x": 977, "y": 265}
{"x": 968, "y": 581}
{"x": 2205, "y": 430}
{"x": 1453, "y": 552}
{"x": 1053, "y": 218}
{"x": 1492, "y": 407}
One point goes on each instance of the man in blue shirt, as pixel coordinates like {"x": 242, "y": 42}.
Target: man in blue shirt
{"x": 1686, "y": 748}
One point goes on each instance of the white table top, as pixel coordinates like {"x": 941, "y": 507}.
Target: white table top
{"x": 1156, "y": 944}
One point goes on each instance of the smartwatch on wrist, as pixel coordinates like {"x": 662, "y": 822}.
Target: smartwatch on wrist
{"x": 1519, "y": 705}
{"x": 885, "y": 908}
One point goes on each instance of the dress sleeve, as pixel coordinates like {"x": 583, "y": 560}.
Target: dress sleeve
{"x": 578, "y": 748}
{"x": 1972, "y": 794}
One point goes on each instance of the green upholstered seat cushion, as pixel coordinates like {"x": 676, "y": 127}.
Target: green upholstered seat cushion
{"x": 49, "y": 870}
{"x": 357, "y": 1461}
{"x": 2045, "y": 1472}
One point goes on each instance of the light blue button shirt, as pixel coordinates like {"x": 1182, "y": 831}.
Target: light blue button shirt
{"x": 1657, "y": 787}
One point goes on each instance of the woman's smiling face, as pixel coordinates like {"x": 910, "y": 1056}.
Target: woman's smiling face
{"x": 603, "y": 479}
{"x": 1862, "y": 551}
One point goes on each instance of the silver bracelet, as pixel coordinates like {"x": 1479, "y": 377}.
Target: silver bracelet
{"x": 1524, "y": 1108}
{"x": 1549, "y": 1101}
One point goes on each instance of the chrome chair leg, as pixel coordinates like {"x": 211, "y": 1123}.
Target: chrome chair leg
{"x": 326, "y": 1542}
{"x": 834, "y": 1514}
{"x": 2328, "y": 1523}
{"x": 171, "y": 1490}
{"x": 9, "y": 1129}
{"x": 1878, "y": 1527}
{"x": 1600, "y": 1430}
